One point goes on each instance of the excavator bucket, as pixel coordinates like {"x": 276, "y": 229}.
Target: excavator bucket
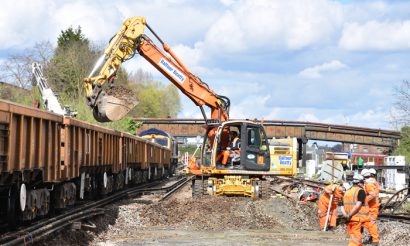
{"x": 114, "y": 104}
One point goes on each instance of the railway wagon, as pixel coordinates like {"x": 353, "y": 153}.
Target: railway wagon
{"x": 50, "y": 161}
{"x": 144, "y": 160}
{"x": 29, "y": 159}
{"x": 165, "y": 139}
{"x": 90, "y": 156}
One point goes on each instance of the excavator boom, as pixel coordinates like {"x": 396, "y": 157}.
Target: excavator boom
{"x": 244, "y": 175}
{"x": 114, "y": 103}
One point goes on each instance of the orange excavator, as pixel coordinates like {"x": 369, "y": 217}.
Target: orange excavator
{"x": 243, "y": 175}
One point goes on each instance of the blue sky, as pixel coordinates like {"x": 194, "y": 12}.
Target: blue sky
{"x": 309, "y": 60}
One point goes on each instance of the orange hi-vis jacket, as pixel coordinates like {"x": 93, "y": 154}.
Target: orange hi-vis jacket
{"x": 372, "y": 189}
{"x": 350, "y": 200}
{"x": 327, "y": 192}
{"x": 323, "y": 204}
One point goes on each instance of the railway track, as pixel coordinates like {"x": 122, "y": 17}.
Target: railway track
{"x": 45, "y": 227}
{"x": 293, "y": 180}
{"x": 391, "y": 205}
{"x": 404, "y": 218}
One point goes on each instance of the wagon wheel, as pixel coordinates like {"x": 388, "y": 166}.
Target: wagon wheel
{"x": 16, "y": 202}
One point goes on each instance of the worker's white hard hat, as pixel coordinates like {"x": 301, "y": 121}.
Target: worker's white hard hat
{"x": 346, "y": 185}
{"x": 357, "y": 178}
{"x": 372, "y": 171}
{"x": 364, "y": 172}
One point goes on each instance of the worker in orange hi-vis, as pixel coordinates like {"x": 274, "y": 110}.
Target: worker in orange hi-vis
{"x": 233, "y": 148}
{"x": 355, "y": 210}
{"x": 331, "y": 196}
{"x": 372, "y": 188}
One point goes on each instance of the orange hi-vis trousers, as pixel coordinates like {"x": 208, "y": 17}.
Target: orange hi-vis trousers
{"x": 354, "y": 230}
{"x": 372, "y": 189}
{"x": 371, "y": 227}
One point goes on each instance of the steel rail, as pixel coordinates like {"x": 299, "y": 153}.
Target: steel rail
{"x": 77, "y": 209}
{"x": 46, "y": 230}
{"x": 178, "y": 186}
{"x": 404, "y": 218}
{"x": 311, "y": 183}
{"x": 90, "y": 209}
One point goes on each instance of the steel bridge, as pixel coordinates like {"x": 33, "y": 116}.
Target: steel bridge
{"x": 301, "y": 130}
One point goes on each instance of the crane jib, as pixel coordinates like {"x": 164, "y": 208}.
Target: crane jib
{"x": 175, "y": 73}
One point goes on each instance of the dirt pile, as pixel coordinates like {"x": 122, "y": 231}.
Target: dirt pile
{"x": 394, "y": 233}
{"x": 122, "y": 93}
{"x": 215, "y": 221}
{"x": 236, "y": 213}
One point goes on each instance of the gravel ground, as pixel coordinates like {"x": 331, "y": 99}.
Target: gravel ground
{"x": 215, "y": 221}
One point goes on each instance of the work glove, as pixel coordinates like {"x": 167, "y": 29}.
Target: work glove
{"x": 347, "y": 217}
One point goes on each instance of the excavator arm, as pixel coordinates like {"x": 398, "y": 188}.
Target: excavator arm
{"x": 112, "y": 105}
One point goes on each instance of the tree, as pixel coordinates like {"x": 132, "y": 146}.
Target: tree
{"x": 140, "y": 76}
{"x": 401, "y": 118}
{"x": 337, "y": 148}
{"x": 70, "y": 36}
{"x": 401, "y": 115}
{"x": 72, "y": 62}
{"x": 404, "y": 147}
{"x": 65, "y": 68}
{"x": 68, "y": 68}
{"x": 156, "y": 100}
{"x": 170, "y": 101}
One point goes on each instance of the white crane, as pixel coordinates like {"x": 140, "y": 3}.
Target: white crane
{"x": 50, "y": 100}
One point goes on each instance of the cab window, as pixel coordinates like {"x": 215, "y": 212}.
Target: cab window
{"x": 253, "y": 137}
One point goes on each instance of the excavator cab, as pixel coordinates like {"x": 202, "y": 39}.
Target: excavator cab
{"x": 253, "y": 154}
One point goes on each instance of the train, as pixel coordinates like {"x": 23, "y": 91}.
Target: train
{"x": 49, "y": 162}
{"x": 376, "y": 159}
{"x": 165, "y": 139}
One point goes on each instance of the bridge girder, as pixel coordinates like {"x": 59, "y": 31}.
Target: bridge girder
{"x": 298, "y": 129}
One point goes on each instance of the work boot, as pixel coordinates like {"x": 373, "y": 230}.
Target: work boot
{"x": 367, "y": 241}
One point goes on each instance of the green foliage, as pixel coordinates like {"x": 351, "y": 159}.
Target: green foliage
{"x": 133, "y": 125}
{"x": 15, "y": 94}
{"x": 171, "y": 103}
{"x": 190, "y": 148}
{"x": 156, "y": 100}
{"x": 65, "y": 69}
{"x": 404, "y": 146}
{"x": 68, "y": 68}
{"x": 70, "y": 36}
{"x": 149, "y": 103}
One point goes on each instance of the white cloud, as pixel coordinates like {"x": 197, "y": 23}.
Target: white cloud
{"x": 372, "y": 118}
{"x": 191, "y": 57}
{"x": 316, "y": 71}
{"x": 376, "y": 35}
{"x": 254, "y": 52}
{"x": 275, "y": 24}
{"x": 227, "y": 2}
{"x": 24, "y": 22}
{"x": 308, "y": 117}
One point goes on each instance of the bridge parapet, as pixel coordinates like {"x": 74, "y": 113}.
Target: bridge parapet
{"x": 274, "y": 128}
